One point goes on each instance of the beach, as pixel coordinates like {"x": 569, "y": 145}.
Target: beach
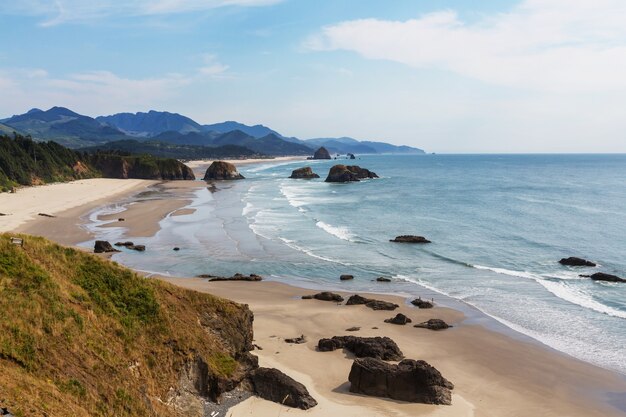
{"x": 494, "y": 373}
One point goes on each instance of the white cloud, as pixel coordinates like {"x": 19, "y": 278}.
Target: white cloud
{"x": 56, "y": 12}
{"x": 549, "y": 45}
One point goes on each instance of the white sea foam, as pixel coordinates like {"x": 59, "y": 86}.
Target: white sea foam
{"x": 340, "y": 232}
{"x": 293, "y": 245}
{"x": 247, "y": 209}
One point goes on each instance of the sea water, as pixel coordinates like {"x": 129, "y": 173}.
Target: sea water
{"x": 498, "y": 226}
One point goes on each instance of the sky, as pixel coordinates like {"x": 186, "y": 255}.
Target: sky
{"x": 444, "y": 75}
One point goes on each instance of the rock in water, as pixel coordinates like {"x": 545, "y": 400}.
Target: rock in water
{"x": 346, "y": 277}
{"x": 343, "y": 173}
{"x": 102, "y": 246}
{"x": 305, "y": 173}
{"x": 410, "y": 380}
{"x": 363, "y": 347}
{"x": 383, "y": 279}
{"x": 351, "y": 156}
{"x": 321, "y": 153}
{"x": 433, "y": 324}
{"x": 574, "y": 261}
{"x": 273, "y": 385}
{"x": 221, "y": 170}
{"x": 410, "y": 239}
{"x": 419, "y": 303}
{"x": 601, "y": 276}
{"x": 400, "y": 319}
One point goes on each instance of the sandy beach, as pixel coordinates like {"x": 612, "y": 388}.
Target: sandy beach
{"x": 494, "y": 374}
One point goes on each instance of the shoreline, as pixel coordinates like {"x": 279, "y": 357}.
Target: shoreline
{"x": 278, "y": 308}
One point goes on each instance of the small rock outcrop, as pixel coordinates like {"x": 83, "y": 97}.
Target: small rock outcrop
{"x": 222, "y": 170}
{"x": 383, "y": 279}
{"x": 574, "y": 261}
{"x": 321, "y": 153}
{"x": 410, "y": 380}
{"x": 601, "y": 276}
{"x": 419, "y": 303}
{"x": 400, "y": 319}
{"x": 346, "y": 277}
{"x": 296, "y": 340}
{"x": 363, "y": 347}
{"x": 348, "y": 173}
{"x": 132, "y": 246}
{"x": 410, "y": 239}
{"x": 236, "y": 277}
{"x": 103, "y": 246}
{"x": 371, "y": 303}
{"x": 433, "y": 324}
{"x": 273, "y": 385}
{"x": 305, "y": 173}
{"x": 351, "y": 156}
{"x": 325, "y": 296}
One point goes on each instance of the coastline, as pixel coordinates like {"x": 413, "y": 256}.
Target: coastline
{"x": 494, "y": 374}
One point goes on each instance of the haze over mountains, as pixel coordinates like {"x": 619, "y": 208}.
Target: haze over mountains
{"x": 78, "y": 131}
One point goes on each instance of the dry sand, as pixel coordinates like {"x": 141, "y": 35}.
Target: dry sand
{"x": 494, "y": 374}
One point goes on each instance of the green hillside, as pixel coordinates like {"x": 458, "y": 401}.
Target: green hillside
{"x": 83, "y": 336}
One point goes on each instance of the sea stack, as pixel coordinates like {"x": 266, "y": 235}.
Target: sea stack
{"x": 321, "y": 153}
{"x": 221, "y": 170}
{"x": 305, "y": 173}
{"x": 343, "y": 173}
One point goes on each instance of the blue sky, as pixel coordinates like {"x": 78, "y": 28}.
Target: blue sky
{"x": 447, "y": 76}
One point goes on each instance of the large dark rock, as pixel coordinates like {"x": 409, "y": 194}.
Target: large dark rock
{"x": 371, "y": 303}
{"x": 328, "y": 296}
{"x": 343, "y": 173}
{"x": 222, "y": 170}
{"x": 400, "y": 319}
{"x": 321, "y": 153}
{"x": 574, "y": 261}
{"x": 305, "y": 173}
{"x": 410, "y": 239}
{"x": 102, "y": 246}
{"x": 351, "y": 156}
{"x": 363, "y": 347}
{"x": 410, "y": 380}
{"x": 419, "y": 303}
{"x": 383, "y": 279}
{"x": 273, "y": 385}
{"x": 601, "y": 276}
{"x": 346, "y": 277}
{"x": 236, "y": 277}
{"x": 433, "y": 324}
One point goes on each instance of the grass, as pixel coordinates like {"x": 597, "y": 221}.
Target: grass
{"x": 72, "y": 324}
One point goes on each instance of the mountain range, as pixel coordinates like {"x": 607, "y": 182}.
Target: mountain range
{"x": 74, "y": 130}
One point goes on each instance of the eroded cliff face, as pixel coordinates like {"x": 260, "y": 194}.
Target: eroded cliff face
{"x": 140, "y": 167}
{"x": 83, "y": 336}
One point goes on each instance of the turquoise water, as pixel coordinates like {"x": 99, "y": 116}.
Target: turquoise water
{"x": 499, "y": 224}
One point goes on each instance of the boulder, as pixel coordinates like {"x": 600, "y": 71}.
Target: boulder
{"x": 346, "y": 277}
{"x": 363, "y": 347}
{"x": 343, "y": 173}
{"x": 419, "y": 303}
{"x": 176, "y": 249}
{"x": 321, "y": 153}
{"x": 236, "y": 277}
{"x": 601, "y": 276}
{"x": 371, "y": 303}
{"x": 328, "y": 296}
{"x": 433, "y": 324}
{"x": 410, "y": 239}
{"x": 273, "y": 385}
{"x": 102, "y": 246}
{"x": 305, "y": 173}
{"x": 353, "y": 329}
{"x": 383, "y": 279}
{"x": 221, "y": 170}
{"x": 400, "y": 319}
{"x": 410, "y": 380}
{"x": 574, "y": 261}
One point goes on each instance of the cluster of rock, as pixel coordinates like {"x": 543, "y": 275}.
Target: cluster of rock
{"x": 324, "y": 296}
{"x": 349, "y": 173}
{"x": 363, "y": 347}
{"x": 371, "y": 303}
{"x": 222, "y": 170}
{"x": 598, "y": 276}
{"x": 419, "y": 303}
{"x": 410, "y": 239}
{"x": 236, "y": 277}
{"x": 131, "y": 246}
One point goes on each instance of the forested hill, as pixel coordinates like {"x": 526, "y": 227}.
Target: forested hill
{"x": 26, "y": 162}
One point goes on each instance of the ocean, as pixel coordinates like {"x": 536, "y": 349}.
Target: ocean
{"x": 498, "y": 226}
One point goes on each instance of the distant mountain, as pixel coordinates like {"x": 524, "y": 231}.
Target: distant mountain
{"x": 63, "y": 126}
{"x": 7, "y": 130}
{"x": 256, "y": 131}
{"x": 191, "y": 138}
{"x": 168, "y": 150}
{"x": 150, "y": 124}
{"x": 349, "y": 145}
{"x": 270, "y": 144}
